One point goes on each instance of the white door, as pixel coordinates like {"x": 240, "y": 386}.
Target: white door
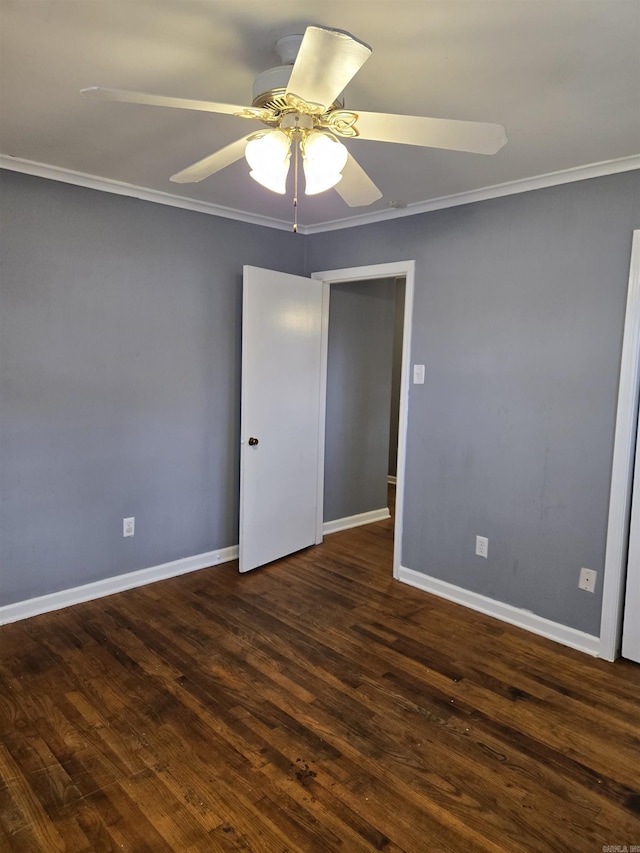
{"x": 280, "y": 416}
{"x": 631, "y": 622}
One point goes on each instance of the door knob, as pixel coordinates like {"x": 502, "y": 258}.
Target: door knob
{"x": 253, "y": 442}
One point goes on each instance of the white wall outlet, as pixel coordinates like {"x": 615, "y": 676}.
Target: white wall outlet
{"x": 587, "y": 580}
{"x": 482, "y": 546}
{"x": 128, "y": 526}
{"x": 418, "y": 374}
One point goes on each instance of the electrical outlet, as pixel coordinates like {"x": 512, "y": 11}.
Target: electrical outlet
{"x": 587, "y": 580}
{"x": 482, "y": 546}
{"x": 128, "y": 526}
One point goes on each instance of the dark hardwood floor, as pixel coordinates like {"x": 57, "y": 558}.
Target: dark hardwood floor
{"x": 313, "y": 705}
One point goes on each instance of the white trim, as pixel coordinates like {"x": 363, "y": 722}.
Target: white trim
{"x": 394, "y": 269}
{"x": 630, "y": 645}
{"x": 108, "y": 586}
{"x": 504, "y": 612}
{"x": 324, "y": 353}
{"x": 551, "y": 179}
{"x": 522, "y": 185}
{"x": 624, "y": 448}
{"x": 93, "y": 182}
{"x": 403, "y": 421}
{"x": 391, "y": 480}
{"x": 356, "y": 520}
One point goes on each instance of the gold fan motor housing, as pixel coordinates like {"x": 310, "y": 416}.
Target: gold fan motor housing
{"x": 275, "y": 100}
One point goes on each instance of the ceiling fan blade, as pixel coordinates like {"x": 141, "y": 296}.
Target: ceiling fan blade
{"x": 356, "y": 187}
{"x": 128, "y": 97}
{"x": 211, "y": 164}
{"x": 473, "y": 136}
{"x": 326, "y": 62}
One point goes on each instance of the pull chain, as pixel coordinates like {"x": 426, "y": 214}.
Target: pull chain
{"x": 295, "y": 180}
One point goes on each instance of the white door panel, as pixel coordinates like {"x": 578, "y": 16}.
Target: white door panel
{"x": 631, "y": 623}
{"x": 281, "y": 367}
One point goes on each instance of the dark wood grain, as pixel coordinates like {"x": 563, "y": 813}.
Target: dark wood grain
{"x": 312, "y": 705}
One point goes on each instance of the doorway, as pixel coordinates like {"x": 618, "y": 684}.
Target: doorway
{"x": 624, "y": 453}
{"x": 396, "y": 270}
{"x": 261, "y": 449}
{"x": 358, "y": 427}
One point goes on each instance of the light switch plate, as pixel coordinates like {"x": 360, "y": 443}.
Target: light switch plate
{"x": 418, "y": 374}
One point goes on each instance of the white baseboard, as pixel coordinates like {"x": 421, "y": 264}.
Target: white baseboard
{"x": 356, "y": 520}
{"x": 505, "y": 612}
{"x": 108, "y": 586}
{"x": 391, "y": 480}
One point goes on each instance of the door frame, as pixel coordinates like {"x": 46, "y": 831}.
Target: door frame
{"x": 624, "y": 449}
{"x": 394, "y": 269}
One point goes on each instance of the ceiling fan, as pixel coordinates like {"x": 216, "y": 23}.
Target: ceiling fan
{"x": 299, "y": 102}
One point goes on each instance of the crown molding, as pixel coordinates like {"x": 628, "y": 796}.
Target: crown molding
{"x": 93, "y": 182}
{"x": 552, "y": 179}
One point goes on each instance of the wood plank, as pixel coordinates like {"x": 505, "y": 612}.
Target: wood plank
{"x": 312, "y": 705}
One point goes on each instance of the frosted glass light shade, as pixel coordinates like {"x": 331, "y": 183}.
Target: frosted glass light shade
{"x": 269, "y": 157}
{"x": 324, "y": 158}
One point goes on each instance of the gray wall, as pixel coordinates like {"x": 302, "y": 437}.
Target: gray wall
{"x": 359, "y": 362}
{"x": 518, "y": 317}
{"x": 396, "y": 374}
{"x": 119, "y": 381}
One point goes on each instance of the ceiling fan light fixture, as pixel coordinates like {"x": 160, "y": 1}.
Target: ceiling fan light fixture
{"x": 269, "y": 156}
{"x": 324, "y": 158}
{"x": 300, "y": 102}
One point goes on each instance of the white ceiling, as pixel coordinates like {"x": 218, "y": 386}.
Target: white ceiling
{"x": 562, "y": 76}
